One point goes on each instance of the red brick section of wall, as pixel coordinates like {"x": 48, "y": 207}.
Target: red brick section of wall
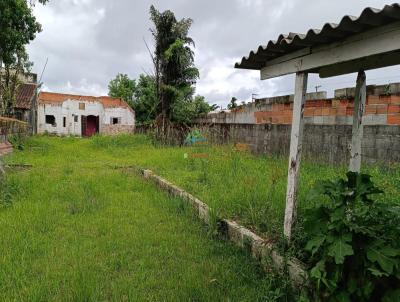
{"x": 376, "y": 105}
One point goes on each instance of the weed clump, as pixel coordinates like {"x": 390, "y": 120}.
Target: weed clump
{"x": 353, "y": 242}
{"x": 9, "y": 189}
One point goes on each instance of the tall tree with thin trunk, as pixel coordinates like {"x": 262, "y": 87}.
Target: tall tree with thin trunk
{"x": 173, "y": 59}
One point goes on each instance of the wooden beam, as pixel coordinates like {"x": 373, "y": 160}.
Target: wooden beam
{"x": 377, "y": 61}
{"x": 295, "y": 152}
{"x": 374, "y": 42}
{"x": 358, "y": 127}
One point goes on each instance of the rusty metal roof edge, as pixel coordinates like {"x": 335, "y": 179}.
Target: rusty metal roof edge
{"x": 348, "y": 23}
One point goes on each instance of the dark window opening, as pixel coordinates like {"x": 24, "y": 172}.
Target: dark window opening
{"x": 115, "y": 120}
{"x": 64, "y": 122}
{"x": 75, "y": 118}
{"x": 18, "y": 115}
{"x": 51, "y": 120}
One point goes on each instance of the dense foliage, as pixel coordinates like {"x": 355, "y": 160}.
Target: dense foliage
{"x": 354, "y": 245}
{"x": 233, "y": 104}
{"x": 170, "y": 93}
{"x": 175, "y": 72}
{"x": 186, "y": 110}
{"x": 18, "y": 26}
{"x": 122, "y": 87}
{"x": 141, "y": 94}
{"x": 145, "y": 99}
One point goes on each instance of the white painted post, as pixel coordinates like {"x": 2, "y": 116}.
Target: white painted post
{"x": 295, "y": 152}
{"x": 358, "y": 126}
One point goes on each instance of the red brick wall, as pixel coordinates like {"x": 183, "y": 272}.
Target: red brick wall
{"x": 384, "y": 106}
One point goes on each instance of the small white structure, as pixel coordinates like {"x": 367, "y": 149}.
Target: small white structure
{"x": 65, "y": 114}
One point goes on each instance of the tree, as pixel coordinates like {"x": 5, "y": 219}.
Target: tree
{"x": 145, "y": 100}
{"x": 175, "y": 72}
{"x": 122, "y": 87}
{"x": 10, "y": 80}
{"x": 232, "y": 104}
{"x": 214, "y": 107}
{"x": 18, "y": 26}
{"x": 187, "y": 110}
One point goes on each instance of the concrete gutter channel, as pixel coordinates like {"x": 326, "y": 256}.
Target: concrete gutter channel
{"x": 260, "y": 249}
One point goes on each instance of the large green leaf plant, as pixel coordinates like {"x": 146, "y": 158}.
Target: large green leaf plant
{"x": 354, "y": 243}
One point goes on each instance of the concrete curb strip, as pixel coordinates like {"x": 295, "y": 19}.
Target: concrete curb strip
{"x": 260, "y": 249}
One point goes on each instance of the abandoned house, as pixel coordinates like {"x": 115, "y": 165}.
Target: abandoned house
{"x": 25, "y": 99}
{"x": 65, "y": 114}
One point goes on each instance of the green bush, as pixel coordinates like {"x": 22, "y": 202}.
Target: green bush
{"x": 353, "y": 242}
{"x": 18, "y": 141}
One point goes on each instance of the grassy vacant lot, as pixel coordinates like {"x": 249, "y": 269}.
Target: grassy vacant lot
{"x": 250, "y": 189}
{"x": 75, "y": 228}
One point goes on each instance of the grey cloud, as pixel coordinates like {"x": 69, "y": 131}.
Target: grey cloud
{"x": 89, "y": 41}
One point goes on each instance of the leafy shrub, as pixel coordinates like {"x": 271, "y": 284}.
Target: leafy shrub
{"x": 18, "y": 141}
{"x": 354, "y": 242}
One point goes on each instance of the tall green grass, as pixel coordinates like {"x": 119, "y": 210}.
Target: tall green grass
{"x": 77, "y": 227}
{"x": 248, "y": 188}
{"x": 238, "y": 185}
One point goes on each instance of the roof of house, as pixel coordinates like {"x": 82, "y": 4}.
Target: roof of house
{"x": 25, "y": 95}
{"x": 349, "y": 25}
{"x": 106, "y": 101}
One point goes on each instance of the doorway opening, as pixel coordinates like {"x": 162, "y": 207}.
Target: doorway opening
{"x": 90, "y": 125}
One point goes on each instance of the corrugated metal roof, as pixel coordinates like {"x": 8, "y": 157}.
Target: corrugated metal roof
{"x": 330, "y": 32}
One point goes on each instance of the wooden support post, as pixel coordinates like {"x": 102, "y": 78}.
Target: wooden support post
{"x": 358, "y": 126}
{"x": 295, "y": 152}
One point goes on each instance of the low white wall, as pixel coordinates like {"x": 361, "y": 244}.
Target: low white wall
{"x": 127, "y": 116}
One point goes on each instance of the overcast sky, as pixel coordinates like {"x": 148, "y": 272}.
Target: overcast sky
{"x": 88, "y": 42}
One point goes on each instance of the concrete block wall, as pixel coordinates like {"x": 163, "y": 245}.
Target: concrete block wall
{"x": 265, "y": 125}
{"x": 325, "y": 143}
{"x": 383, "y": 108}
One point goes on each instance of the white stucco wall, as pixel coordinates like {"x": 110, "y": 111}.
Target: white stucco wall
{"x": 126, "y": 115}
{"x": 70, "y": 109}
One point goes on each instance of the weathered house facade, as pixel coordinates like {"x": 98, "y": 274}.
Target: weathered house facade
{"x": 24, "y": 108}
{"x": 66, "y": 114}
